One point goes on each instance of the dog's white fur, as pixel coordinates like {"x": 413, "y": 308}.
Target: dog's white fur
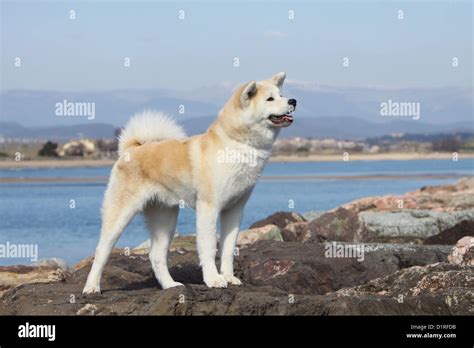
{"x": 149, "y": 126}
{"x": 159, "y": 168}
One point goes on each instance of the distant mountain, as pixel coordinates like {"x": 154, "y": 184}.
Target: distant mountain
{"x": 37, "y": 108}
{"x": 438, "y": 105}
{"x": 57, "y": 133}
{"x": 311, "y": 127}
{"x": 345, "y": 127}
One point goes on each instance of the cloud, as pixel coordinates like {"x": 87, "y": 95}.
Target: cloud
{"x": 275, "y": 34}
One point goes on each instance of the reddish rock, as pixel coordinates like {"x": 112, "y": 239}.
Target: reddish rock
{"x": 459, "y": 196}
{"x": 338, "y": 225}
{"x": 307, "y": 268}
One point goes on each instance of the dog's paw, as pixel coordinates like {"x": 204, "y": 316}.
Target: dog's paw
{"x": 91, "y": 289}
{"x": 171, "y": 285}
{"x": 216, "y": 281}
{"x": 232, "y": 279}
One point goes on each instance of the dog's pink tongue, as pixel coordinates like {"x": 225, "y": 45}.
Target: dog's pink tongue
{"x": 288, "y": 118}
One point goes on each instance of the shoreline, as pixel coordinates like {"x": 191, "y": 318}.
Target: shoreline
{"x": 372, "y": 157}
{"x": 78, "y": 163}
{"x": 274, "y": 178}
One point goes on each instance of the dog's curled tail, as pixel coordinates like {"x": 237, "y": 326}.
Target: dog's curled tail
{"x": 148, "y": 126}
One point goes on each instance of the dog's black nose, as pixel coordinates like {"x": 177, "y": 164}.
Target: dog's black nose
{"x": 292, "y": 102}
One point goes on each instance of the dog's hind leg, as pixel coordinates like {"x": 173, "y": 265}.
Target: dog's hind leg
{"x": 161, "y": 221}
{"x": 118, "y": 209}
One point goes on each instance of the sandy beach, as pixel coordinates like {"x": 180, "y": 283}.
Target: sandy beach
{"x": 76, "y": 163}
{"x": 372, "y": 157}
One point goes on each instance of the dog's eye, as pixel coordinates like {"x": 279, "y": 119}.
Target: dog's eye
{"x": 270, "y": 99}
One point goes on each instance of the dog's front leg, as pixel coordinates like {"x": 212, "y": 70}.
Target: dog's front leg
{"x": 206, "y": 239}
{"x": 230, "y": 225}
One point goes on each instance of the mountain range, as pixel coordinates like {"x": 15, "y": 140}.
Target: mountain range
{"x": 317, "y": 127}
{"x": 322, "y": 111}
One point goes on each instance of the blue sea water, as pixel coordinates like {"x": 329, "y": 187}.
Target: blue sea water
{"x": 40, "y": 213}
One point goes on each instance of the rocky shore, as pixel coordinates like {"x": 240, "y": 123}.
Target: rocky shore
{"x": 393, "y": 255}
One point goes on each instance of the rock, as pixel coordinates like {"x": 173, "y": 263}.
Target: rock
{"x": 453, "y": 234}
{"x": 53, "y": 262}
{"x": 88, "y": 309}
{"x": 296, "y": 232}
{"x": 463, "y": 252}
{"x": 414, "y": 226}
{"x": 309, "y": 269}
{"x": 311, "y": 215}
{"x": 279, "y": 219}
{"x": 251, "y": 236}
{"x": 84, "y": 263}
{"x": 12, "y": 276}
{"x": 459, "y": 196}
{"x": 339, "y": 225}
{"x": 436, "y": 289}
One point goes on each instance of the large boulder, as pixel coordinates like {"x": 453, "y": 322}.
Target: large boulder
{"x": 340, "y": 225}
{"x": 459, "y": 196}
{"x": 403, "y": 226}
{"x": 453, "y": 234}
{"x": 319, "y": 268}
{"x": 416, "y": 225}
{"x": 436, "y": 289}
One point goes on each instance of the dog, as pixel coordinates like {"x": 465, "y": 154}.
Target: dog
{"x": 159, "y": 169}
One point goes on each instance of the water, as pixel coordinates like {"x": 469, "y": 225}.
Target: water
{"x": 40, "y": 213}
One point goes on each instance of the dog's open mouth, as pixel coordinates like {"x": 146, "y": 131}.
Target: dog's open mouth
{"x": 281, "y": 120}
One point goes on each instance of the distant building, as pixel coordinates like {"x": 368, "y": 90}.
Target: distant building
{"x": 83, "y": 147}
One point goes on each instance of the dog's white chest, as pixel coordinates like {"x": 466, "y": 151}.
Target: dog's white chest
{"x": 237, "y": 177}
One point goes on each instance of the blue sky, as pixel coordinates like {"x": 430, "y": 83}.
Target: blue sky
{"x": 88, "y": 53}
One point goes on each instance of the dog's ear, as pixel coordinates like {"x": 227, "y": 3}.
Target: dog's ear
{"x": 278, "y": 79}
{"x": 248, "y": 92}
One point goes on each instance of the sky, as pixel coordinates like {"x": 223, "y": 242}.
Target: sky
{"x": 88, "y": 53}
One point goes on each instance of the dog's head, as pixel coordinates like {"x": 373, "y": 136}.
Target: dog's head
{"x": 262, "y": 103}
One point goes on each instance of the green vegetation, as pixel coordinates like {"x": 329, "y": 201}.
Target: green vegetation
{"x": 49, "y": 150}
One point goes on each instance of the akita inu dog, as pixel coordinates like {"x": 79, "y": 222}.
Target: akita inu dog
{"x": 159, "y": 168}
